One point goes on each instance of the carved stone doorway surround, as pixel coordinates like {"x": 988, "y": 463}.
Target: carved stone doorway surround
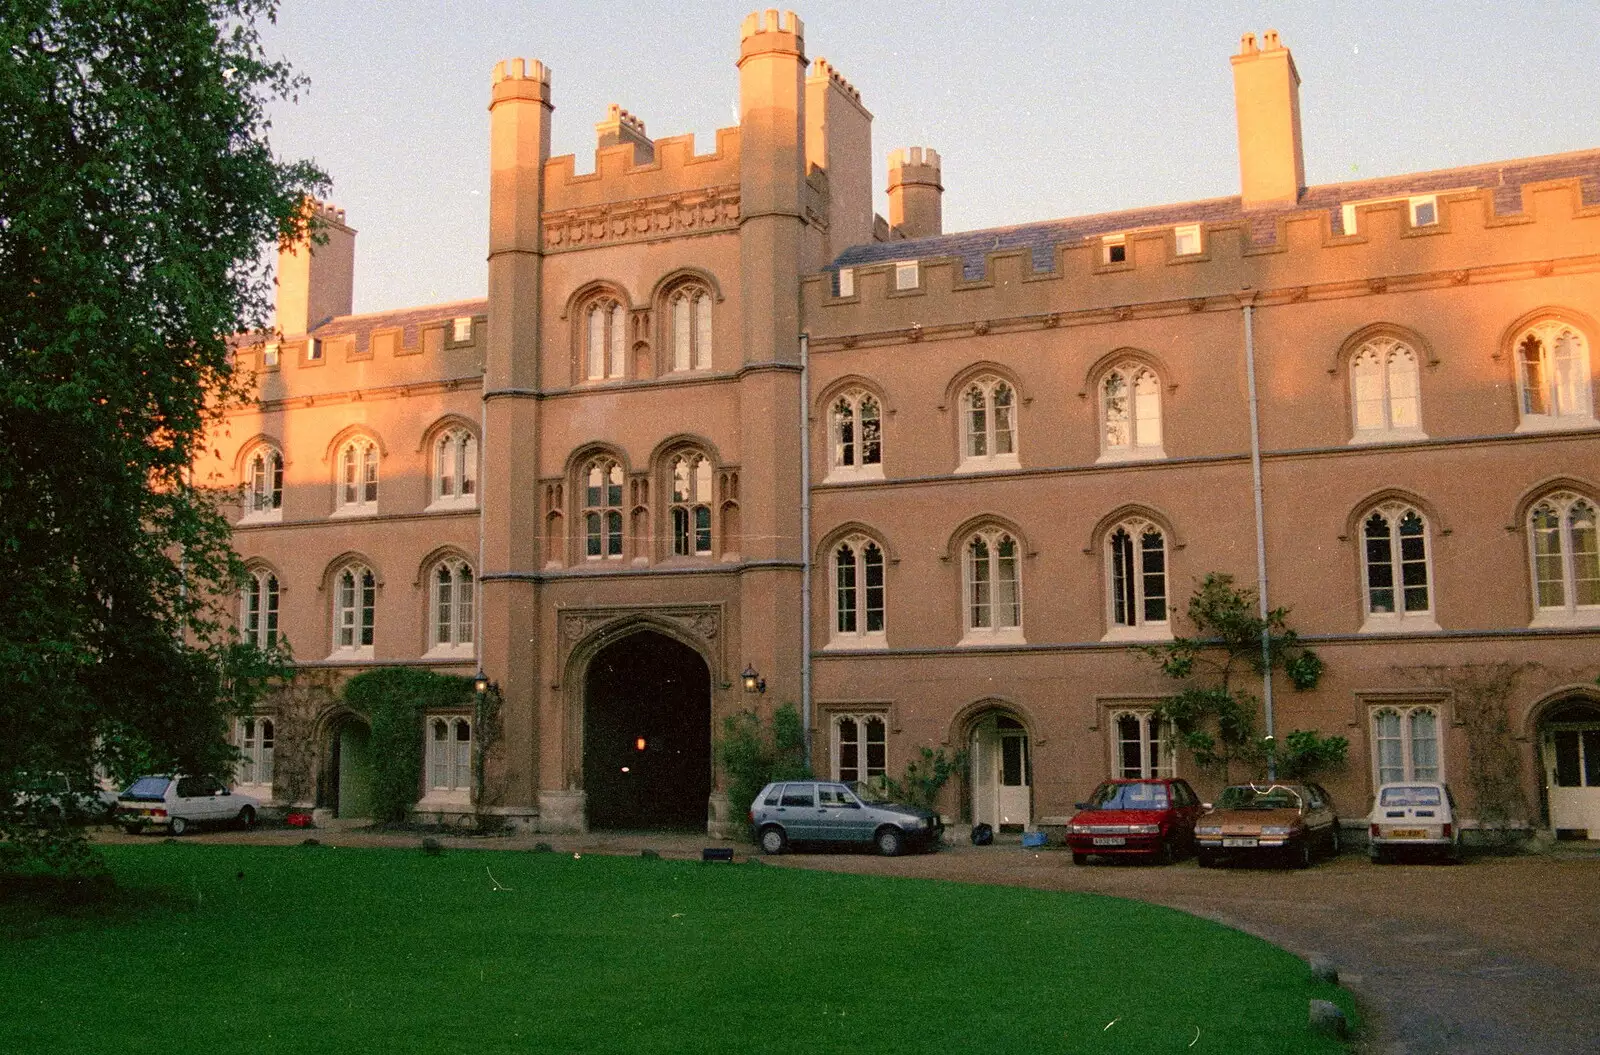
{"x": 584, "y": 631}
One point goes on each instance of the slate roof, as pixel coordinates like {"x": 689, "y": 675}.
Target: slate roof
{"x": 1505, "y": 178}
{"x": 410, "y": 320}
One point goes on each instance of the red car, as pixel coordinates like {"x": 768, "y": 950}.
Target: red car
{"x": 1151, "y": 818}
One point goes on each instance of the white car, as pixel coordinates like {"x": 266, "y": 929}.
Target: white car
{"x": 1417, "y": 815}
{"x": 178, "y": 803}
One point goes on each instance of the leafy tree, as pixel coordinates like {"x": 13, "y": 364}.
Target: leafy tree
{"x": 752, "y": 756}
{"x": 137, "y": 192}
{"x": 1214, "y": 716}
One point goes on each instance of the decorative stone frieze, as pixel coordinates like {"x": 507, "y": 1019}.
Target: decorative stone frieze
{"x": 643, "y": 219}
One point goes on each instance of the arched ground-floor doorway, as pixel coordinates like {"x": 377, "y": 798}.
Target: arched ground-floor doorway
{"x": 647, "y": 734}
{"x": 348, "y": 778}
{"x": 1569, "y": 746}
{"x": 1002, "y": 772}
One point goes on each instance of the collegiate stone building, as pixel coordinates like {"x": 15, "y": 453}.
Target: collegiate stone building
{"x": 700, "y": 384}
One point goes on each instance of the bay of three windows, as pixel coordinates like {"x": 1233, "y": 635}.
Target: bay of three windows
{"x": 453, "y": 476}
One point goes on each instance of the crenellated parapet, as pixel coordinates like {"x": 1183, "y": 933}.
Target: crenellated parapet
{"x": 822, "y": 69}
{"x": 621, "y": 176}
{"x": 760, "y": 31}
{"x": 520, "y": 79}
{"x": 1073, "y": 280}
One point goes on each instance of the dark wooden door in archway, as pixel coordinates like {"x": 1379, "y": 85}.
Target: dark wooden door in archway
{"x": 647, "y": 735}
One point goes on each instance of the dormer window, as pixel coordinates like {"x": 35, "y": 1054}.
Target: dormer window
{"x": 461, "y": 329}
{"x": 1114, "y": 249}
{"x": 907, "y": 275}
{"x": 269, "y": 356}
{"x": 1424, "y": 211}
{"x": 313, "y": 350}
{"x": 847, "y": 282}
{"x": 1186, "y": 240}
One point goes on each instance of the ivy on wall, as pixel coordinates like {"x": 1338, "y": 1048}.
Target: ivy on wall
{"x": 394, "y": 699}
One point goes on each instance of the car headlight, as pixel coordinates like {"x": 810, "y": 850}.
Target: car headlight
{"x": 1276, "y": 829}
{"x": 1208, "y": 829}
{"x": 1144, "y": 829}
{"x": 924, "y": 822}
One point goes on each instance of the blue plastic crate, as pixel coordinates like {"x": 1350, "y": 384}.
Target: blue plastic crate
{"x": 1034, "y": 840}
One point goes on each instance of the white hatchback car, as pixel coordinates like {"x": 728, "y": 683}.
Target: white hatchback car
{"x": 1417, "y": 815}
{"x": 178, "y": 803}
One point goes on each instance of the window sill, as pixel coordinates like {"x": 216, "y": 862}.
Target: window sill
{"x": 344, "y": 512}
{"x": 844, "y": 474}
{"x": 855, "y": 642}
{"x": 1372, "y": 436}
{"x": 1132, "y": 454}
{"x": 350, "y": 655}
{"x": 990, "y": 464}
{"x": 466, "y": 651}
{"x": 440, "y": 799}
{"x": 451, "y": 505}
{"x": 1008, "y": 636}
{"x": 1585, "y": 616}
{"x": 1140, "y": 632}
{"x": 266, "y": 516}
{"x": 1415, "y": 623}
{"x": 1554, "y": 423}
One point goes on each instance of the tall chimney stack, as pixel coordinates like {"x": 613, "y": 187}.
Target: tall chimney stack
{"x": 1266, "y": 93}
{"x": 316, "y": 273}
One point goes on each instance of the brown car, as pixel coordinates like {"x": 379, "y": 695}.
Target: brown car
{"x": 1290, "y": 821}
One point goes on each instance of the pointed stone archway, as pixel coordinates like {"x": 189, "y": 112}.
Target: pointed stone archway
{"x": 646, "y": 742}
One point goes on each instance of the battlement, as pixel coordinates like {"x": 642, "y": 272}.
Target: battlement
{"x": 913, "y": 165}
{"x": 620, "y": 128}
{"x": 822, "y": 69}
{"x": 321, "y": 212}
{"x": 665, "y": 166}
{"x": 1055, "y": 273}
{"x": 521, "y": 70}
{"x": 758, "y": 22}
{"x": 617, "y": 117}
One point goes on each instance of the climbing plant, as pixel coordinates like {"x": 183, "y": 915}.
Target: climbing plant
{"x": 394, "y": 700}
{"x": 753, "y": 753}
{"x": 925, "y": 776}
{"x": 1213, "y": 714}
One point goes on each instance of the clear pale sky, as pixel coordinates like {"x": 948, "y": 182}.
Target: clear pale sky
{"x": 1039, "y": 110}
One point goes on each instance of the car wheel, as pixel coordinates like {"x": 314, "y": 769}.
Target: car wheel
{"x": 1302, "y": 857}
{"x": 1168, "y": 854}
{"x": 247, "y": 818}
{"x": 890, "y": 841}
{"x": 1334, "y": 845}
{"x": 1080, "y": 859}
{"x": 179, "y": 826}
{"x": 1377, "y": 856}
{"x": 773, "y": 841}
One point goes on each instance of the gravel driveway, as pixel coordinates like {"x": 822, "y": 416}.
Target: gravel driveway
{"x": 1498, "y": 955}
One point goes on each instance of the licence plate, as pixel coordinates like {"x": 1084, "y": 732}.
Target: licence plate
{"x": 1115, "y": 840}
{"x": 1407, "y": 833}
{"x": 1238, "y": 842}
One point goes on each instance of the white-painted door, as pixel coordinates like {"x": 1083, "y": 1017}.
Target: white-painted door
{"x": 1002, "y": 792}
{"x": 1572, "y": 776}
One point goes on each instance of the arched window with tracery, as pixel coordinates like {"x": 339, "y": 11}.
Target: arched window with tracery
{"x": 263, "y": 483}
{"x": 988, "y": 424}
{"x": 450, "y": 755}
{"x": 605, "y": 339}
{"x": 355, "y": 602}
{"x": 602, "y": 510}
{"x": 1385, "y": 400}
{"x": 452, "y": 607}
{"x": 455, "y": 468}
{"x": 1130, "y": 412}
{"x": 858, "y": 593}
{"x": 1565, "y": 547}
{"x": 992, "y": 588}
{"x": 1395, "y": 558}
{"x": 1136, "y": 571}
{"x": 855, "y": 427}
{"x": 358, "y": 476}
{"x": 688, "y": 317}
{"x": 258, "y": 609}
{"x": 1553, "y": 376}
{"x": 689, "y": 475}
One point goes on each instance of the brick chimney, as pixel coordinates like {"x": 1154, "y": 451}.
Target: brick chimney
{"x": 622, "y": 127}
{"x": 915, "y": 192}
{"x": 1266, "y": 94}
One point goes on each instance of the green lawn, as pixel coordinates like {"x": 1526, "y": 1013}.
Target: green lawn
{"x": 318, "y": 949}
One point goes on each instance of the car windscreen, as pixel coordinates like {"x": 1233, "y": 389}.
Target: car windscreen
{"x": 1260, "y": 797}
{"x": 1129, "y": 797}
{"x": 1411, "y": 797}
{"x": 148, "y": 789}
